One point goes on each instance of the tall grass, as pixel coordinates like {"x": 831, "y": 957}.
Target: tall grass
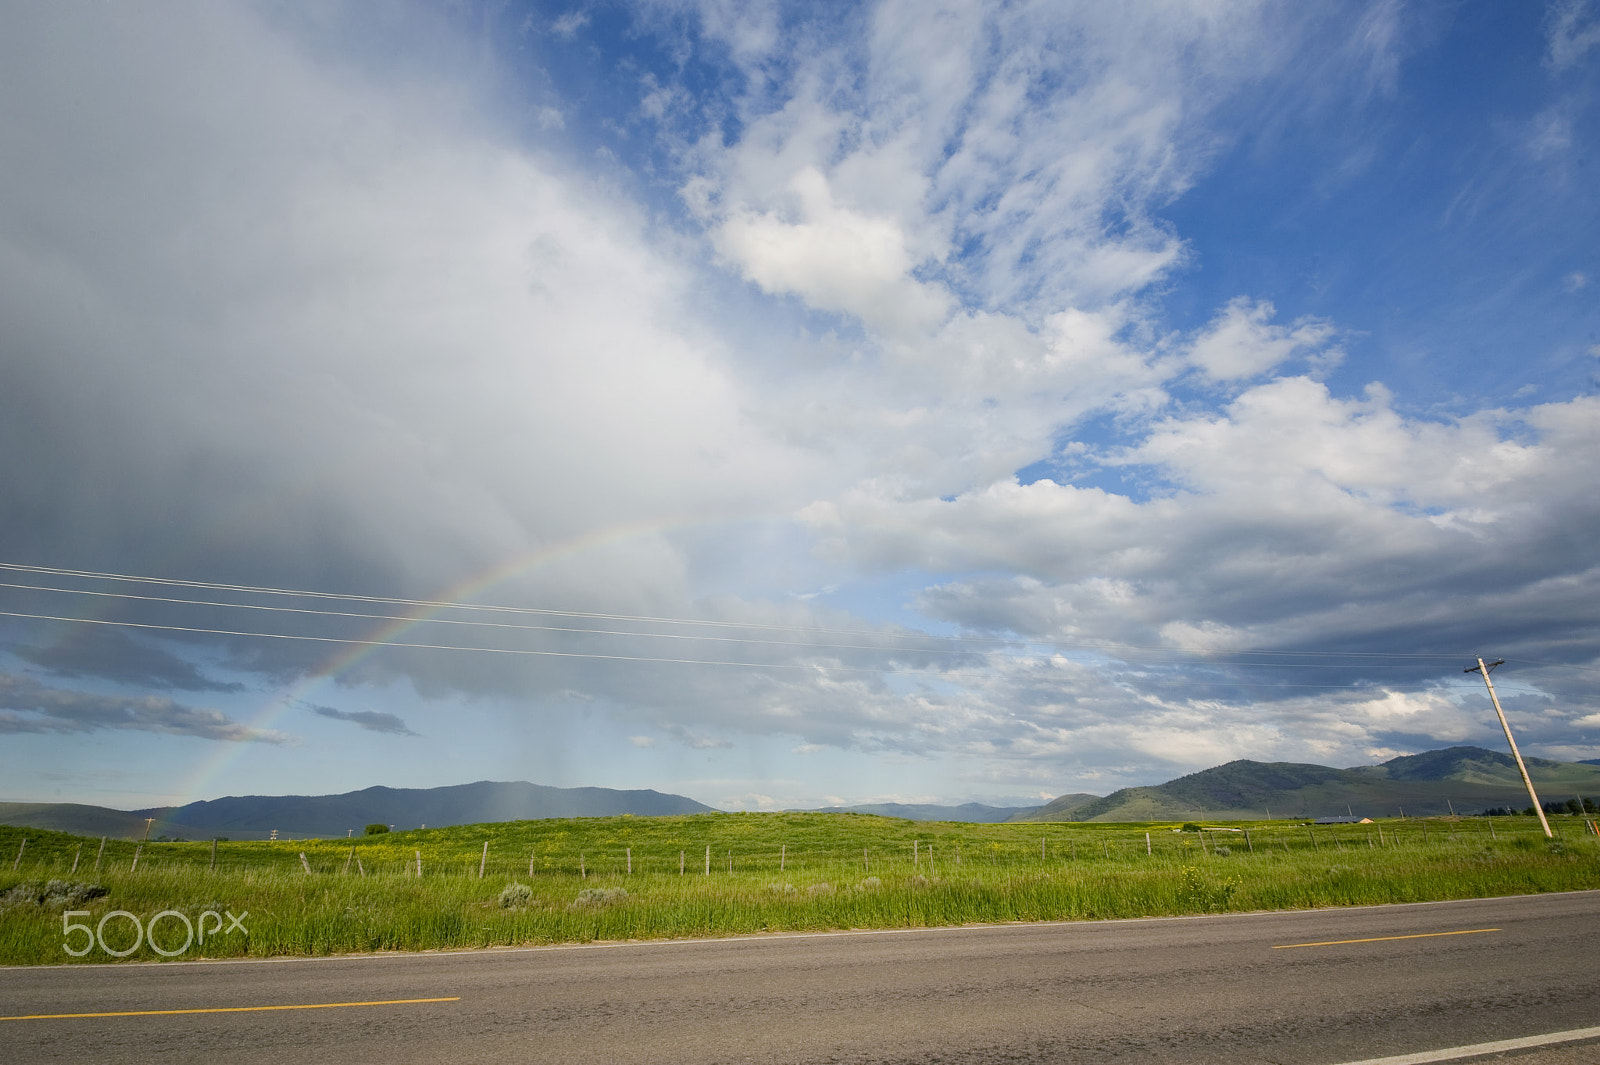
{"x": 768, "y": 873}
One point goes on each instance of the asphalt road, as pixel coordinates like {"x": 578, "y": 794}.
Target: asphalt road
{"x": 1226, "y": 989}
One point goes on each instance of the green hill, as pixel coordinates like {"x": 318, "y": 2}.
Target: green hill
{"x": 1061, "y": 808}
{"x": 77, "y": 818}
{"x": 1466, "y": 779}
{"x": 1476, "y": 765}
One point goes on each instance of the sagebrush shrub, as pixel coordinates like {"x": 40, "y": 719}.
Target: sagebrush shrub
{"x": 515, "y": 896}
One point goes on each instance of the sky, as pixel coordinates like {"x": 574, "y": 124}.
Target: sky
{"x": 789, "y": 405}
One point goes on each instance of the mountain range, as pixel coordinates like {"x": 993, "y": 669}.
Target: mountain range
{"x": 970, "y": 812}
{"x": 1459, "y": 779}
{"x": 1462, "y": 779}
{"x": 301, "y": 816}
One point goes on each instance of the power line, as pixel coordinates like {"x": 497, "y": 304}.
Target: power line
{"x": 516, "y": 627}
{"x": 459, "y": 647}
{"x": 440, "y": 604}
{"x": 890, "y": 650}
{"x": 490, "y": 624}
{"x": 1551, "y": 665}
{"x": 800, "y": 666}
{"x": 1108, "y": 646}
{"x": 1113, "y": 648}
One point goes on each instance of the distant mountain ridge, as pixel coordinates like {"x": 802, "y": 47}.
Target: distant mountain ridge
{"x": 1466, "y": 779}
{"x": 1469, "y": 779}
{"x": 298, "y": 816}
{"x": 969, "y": 812}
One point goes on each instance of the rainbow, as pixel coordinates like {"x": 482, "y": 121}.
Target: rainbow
{"x": 197, "y": 785}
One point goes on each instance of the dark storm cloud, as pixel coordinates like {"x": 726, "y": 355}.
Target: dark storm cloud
{"x": 28, "y": 706}
{"x": 371, "y": 720}
{"x": 95, "y": 651}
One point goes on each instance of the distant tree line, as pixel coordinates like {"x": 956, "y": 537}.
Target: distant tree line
{"x": 1575, "y": 807}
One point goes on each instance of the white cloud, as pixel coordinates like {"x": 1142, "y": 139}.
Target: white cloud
{"x": 568, "y": 25}
{"x": 835, "y": 258}
{"x": 1550, "y": 134}
{"x": 1003, "y": 134}
{"x": 1572, "y": 29}
{"x": 1242, "y": 341}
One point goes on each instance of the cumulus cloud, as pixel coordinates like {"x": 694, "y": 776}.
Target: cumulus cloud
{"x": 1243, "y": 342}
{"x": 1292, "y": 516}
{"x": 28, "y": 706}
{"x": 1031, "y": 140}
{"x": 835, "y": 258}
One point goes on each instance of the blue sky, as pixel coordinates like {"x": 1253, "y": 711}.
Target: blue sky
{"x": 885, "y": 402}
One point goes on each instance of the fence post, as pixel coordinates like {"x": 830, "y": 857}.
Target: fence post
{"x": 783, "y": 856}
{"x": 1251, "y": 847}
{"x": 708, "y": 859}
{"x": 419, "y": 863}
{"x": 350, "y": 858}
{"x": 136, "y": 850}
{"x": 680, "y": 863}
{"x": 75, "y": 858}
{"x": 19, "y": 854}
{"x": 630, "y": 861}
{"x": 305, "y": 864}
{"x": 583, "y": 872}
{"x": 1147, "y": 851}
{"x": 213, "y": 866}
{"x": 99, "y": 853}
{"x": 484, "y": 861}
{"x": 530, "y": 862}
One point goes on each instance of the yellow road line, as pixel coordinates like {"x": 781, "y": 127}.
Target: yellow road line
{"x": 1380, "y": 939}
{"x": 230, "y": 1009}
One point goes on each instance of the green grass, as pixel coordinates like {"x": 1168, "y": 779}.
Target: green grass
{"x": 789, "y": 872}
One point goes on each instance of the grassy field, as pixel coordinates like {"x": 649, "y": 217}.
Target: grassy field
{"x": 570, "y": 880}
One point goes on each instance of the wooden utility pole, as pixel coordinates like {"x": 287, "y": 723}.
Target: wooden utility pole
{"x": 1538, "y": 808}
